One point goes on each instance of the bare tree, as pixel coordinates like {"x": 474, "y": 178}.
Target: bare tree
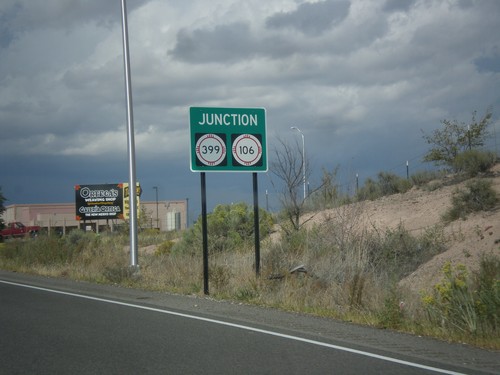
{"x": 288, "y": 166}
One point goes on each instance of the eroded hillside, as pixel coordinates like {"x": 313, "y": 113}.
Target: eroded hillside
{"x": 421, "y": 209}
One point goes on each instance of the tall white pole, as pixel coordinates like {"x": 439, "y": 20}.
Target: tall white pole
{"x": 303, "y": 159}
{"x": 157, "y": 217}
{"x": 130, "y": 141}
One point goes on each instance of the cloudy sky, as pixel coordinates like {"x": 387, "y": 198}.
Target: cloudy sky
{"x": 361, "y": 78}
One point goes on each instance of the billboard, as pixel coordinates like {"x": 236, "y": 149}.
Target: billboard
{"x": 94, "y": 202}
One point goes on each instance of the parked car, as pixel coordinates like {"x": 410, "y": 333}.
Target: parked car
{"x": 17, "y": 229}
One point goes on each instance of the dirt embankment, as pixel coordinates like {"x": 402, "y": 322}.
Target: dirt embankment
{"x": 421, "y": 209}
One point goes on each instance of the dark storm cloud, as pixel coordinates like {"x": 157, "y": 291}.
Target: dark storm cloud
{"x": 311, "y": 18}
{"x": 360, "y": 79}
{"x": 63, "y": 14}
{"x": 489, "y": 64}
{"x": 17, "y": 18}
{"x": 224, "y": 43}
{"x": 227, "y": 43}
{"x": 6, "y": 17}
{"x": 398, "y": 5}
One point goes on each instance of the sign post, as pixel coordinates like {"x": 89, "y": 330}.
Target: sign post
{"x": 228, "y": 140}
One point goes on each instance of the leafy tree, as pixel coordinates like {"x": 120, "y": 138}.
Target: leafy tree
{"x": 455, "y": 138}
{"x": 2, "y": 208}
{"x": 229, "y": 226}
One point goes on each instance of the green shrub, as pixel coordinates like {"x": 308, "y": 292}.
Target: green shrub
{"x": 397, "y": 253}
{"x": 423, "y": 177}
{"x": 487, "y": 281}
{"x": 479, "y": 196}
{"x": 220, "y": 276}
{"x": 467, "y": 304}
{"x": 356, "y": 285}
{"x": 369, "y": 191}
{"x": 150, "y": 236}
{"x": 386, "y": 184}
{"x": 451, "y": 304}
{"x": 230, "y": 227}
{"x": 246, "y": 294}
{"x": 391, "y": 314}
{"x": 473, "y": 162}
{"x": 75, "y": 236}
{"x": 164, "y": 248}
{"x": 117, "y": 274}
{"x": 392, "y": 184}
{"x": 287, "y": 253}
{"x": 42, "y": 250}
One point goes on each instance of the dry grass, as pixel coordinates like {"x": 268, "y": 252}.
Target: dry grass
{"x": 339, "y": 283}
{"x": 365, "y": 262}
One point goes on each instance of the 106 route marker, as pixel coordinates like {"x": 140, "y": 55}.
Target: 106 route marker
{"x": 247, "y": 150}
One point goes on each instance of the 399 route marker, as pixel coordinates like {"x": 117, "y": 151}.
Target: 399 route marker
{"x": 210, "y": 149}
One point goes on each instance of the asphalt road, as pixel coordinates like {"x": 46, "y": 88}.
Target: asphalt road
{"x": 54, "y": 326}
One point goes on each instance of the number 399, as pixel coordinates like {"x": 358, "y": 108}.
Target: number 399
{"x": 210, "y": 149}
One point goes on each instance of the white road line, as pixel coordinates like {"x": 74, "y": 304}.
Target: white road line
{"x": 239, "y": 326}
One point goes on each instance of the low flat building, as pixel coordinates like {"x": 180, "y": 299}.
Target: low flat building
{"x": 61, "y": 217}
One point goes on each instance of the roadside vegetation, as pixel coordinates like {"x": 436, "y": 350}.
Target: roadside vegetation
{"x": 339, "y": 268}
{"x": 349, "y": 271}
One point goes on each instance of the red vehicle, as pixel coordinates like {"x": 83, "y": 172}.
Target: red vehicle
{"x": 17, "y": 229}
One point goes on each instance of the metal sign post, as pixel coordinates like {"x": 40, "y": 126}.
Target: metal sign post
{"x": 228, "y": 140}
{"x": 256, "y": 223}
{"x": 204, "y": 231}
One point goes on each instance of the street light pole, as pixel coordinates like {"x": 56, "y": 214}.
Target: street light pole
{"x": 303, "y": 158}
{"x": 157, "y": 218}
{"x": 130, "y": 143}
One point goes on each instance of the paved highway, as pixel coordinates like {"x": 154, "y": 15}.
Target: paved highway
{"x": 53, "y": 326}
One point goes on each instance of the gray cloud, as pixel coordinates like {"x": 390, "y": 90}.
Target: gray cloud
{"x": 398, "y": 5}
{"x": 25, "y": 15}
{"x": 311, "y": 18}
{"x": 8, "y": 12}
{"x": 489, "y": 63}
{"x": 227, "y": 44}
{"x": 359, "y": 79}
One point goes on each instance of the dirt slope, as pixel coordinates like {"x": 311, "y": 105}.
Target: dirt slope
{"x": 418, "y": 210}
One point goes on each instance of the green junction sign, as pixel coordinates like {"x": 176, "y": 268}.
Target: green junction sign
{"x": 228, "y": 139}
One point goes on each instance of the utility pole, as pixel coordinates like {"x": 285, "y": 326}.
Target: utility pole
{"x": 157, "y": 217}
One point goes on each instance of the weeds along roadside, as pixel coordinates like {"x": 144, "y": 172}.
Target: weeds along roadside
{"x": 351, "y": 274}
{"x": 346, "y": 268}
